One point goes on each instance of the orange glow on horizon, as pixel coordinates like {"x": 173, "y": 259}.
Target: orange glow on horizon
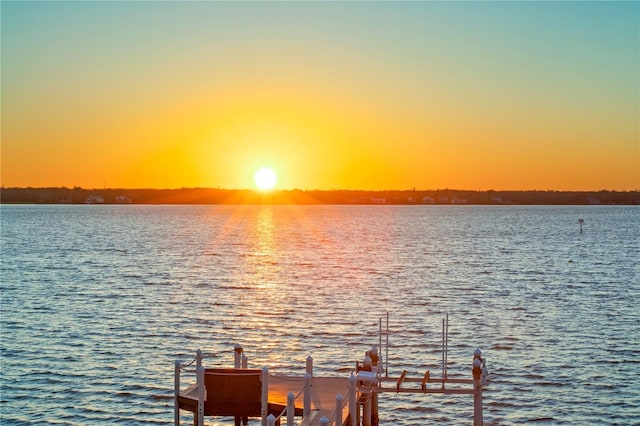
{"x": 330, "y": 95}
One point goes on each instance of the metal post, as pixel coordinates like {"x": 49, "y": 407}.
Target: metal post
{"x": 176, "y": 391}
{"x": 200, "y": 381}
{"x": 198, "y": 358}
{"x": 338, "y": 415}
{"x": 264, "y": 399}
{"x": 446, "y": 348}
{"x": 291, "y": 408}
{"x": 306, "y": 408}
{"x": 386, "y": 357}
{"x": 442, "y": 353}
{"x": 324, "y": 421}
{"x": 379, "y": 369}
{"x": 353, "y": 407}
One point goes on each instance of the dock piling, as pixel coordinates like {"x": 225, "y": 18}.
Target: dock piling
{"x": 200, "y": 381}
{"x": 237, "y": 355}
{"x": 353, "y": 407}
{"x": 291, "y": 408}
{"x": 338, "y": 414}
{"x": 366, "y": 416}
{"x": 477, "y": 388}
{"x": 309, "y": 369}
{"x": 176, "y": 391}
{"x": 306, "y": 407}
{"x": 238, "y": 360}
{"x": 264, "y": 398}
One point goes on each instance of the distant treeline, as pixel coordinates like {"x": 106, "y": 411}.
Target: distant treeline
{"x": 230, "y": 196}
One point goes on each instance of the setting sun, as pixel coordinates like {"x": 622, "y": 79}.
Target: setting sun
{"x": 265, "y": 178}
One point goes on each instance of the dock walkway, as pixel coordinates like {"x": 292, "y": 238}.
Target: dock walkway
{"x": 323, "y": 394}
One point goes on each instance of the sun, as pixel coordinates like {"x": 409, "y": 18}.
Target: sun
{"x": 265, "y": 178}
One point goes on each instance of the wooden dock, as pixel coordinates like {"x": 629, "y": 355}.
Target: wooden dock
{"x": 243, "y": 393}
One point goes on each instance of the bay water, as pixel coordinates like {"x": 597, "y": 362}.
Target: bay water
{"x": 97, "y": 301}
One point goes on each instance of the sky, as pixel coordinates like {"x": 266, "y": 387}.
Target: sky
{"x": 330, "y": 95}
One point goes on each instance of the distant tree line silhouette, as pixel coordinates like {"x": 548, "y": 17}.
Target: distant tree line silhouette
{"x": 77, "y": 195}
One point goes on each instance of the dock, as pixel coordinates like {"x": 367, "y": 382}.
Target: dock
{"x": 242, "y": 393}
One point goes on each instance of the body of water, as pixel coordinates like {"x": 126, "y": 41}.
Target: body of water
{"x": 98, "y": 301}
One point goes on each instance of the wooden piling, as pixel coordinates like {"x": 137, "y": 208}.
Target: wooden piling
{"x": 176, "y": 392}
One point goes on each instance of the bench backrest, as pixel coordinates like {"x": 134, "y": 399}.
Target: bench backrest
{"x": 233, "y": 392}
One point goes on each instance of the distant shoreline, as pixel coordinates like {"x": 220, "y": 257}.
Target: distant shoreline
{"x": 63, "y": 195}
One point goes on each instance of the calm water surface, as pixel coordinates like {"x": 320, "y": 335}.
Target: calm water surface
{"x": 98, "y": 301}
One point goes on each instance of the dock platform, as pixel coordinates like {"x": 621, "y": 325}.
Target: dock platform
{"x": 244, "y": 393}
{"x": 322, "y": 398}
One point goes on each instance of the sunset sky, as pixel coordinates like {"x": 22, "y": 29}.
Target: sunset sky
{"x": 330, "y": 95}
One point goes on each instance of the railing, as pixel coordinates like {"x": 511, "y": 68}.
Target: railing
{"x": 336, "y": 417}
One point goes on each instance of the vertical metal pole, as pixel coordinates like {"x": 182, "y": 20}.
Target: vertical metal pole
{"x": 446, "y": 349}
{"x": 379, "y": 369}
{"x": 386, "y": 358}
{"x": 271, "y": 420}
{"x": 200, "y": 381}
{"x": 353, "y": 407}
{"x": 198, "y": 358}
{"x": 338, "y": 415}
{"x": 264, "y": 403}
{"x": 176, "y": 391}
{"x": 291, "y": 408}
{"x": 442, "y": 353}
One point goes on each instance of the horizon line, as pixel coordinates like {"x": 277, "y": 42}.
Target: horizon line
{"x": 3, "y": 187}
